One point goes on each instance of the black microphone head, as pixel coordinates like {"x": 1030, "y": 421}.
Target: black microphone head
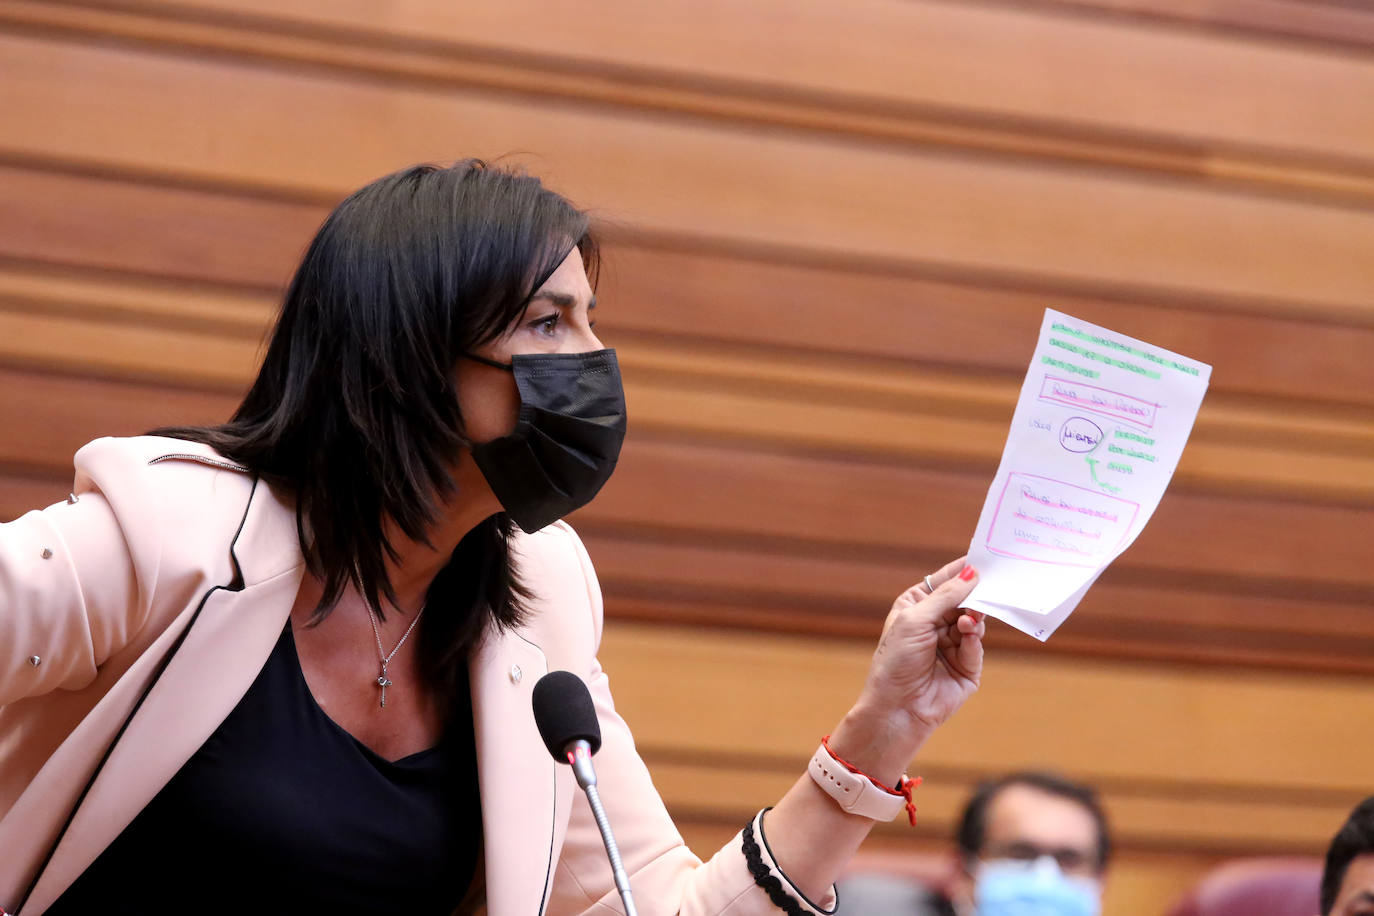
{"x": 564, "y": 712}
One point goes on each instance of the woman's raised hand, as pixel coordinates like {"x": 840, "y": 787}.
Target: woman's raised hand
{"x": 928, "y": 662}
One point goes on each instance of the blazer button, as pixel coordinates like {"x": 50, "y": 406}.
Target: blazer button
{"x": 516, "y": 674}
{"x": 46, "y": 554}
{"x": 35, "y": 660}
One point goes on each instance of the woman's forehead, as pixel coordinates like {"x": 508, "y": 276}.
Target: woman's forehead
{"x": 568, "y": 278}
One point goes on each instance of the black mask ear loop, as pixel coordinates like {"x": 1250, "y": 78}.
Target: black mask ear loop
{"x": 509, "y": 367}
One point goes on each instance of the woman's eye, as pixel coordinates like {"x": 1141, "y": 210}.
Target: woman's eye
{"x": 546, "y": 325}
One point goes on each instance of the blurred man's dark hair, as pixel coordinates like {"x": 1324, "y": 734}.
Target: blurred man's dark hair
{"x": 972, "y": 830}
{"x": 1354, "y": 839}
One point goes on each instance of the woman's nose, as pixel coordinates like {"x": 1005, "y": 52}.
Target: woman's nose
{"x": 590, "y": 340}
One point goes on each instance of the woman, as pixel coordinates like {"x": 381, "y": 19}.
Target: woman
{"x": 284, "y": 664}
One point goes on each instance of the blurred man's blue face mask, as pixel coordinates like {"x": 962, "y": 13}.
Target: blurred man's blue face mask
{"x": 1013, "y": 887}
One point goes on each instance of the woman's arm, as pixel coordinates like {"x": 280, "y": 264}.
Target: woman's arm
{"x": 928, "y": 661}
{"x": 67, "y": 586}
{"x": 79, "y": 579}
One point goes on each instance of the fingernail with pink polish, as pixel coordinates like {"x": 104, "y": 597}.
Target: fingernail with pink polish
{"x": 968, "y": 573}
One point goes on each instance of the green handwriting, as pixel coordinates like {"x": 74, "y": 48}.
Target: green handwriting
{"x": 1131, "y": 453}
{"x": 1134, "y": 437}
{"x": 1069, "y": 367}
{"x": 1104, "y": 358}
{"x": 1125, "y": 348}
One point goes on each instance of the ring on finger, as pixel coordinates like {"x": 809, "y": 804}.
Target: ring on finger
{"x": 930, "y": 586}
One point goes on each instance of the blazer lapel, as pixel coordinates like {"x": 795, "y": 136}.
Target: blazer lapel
{"x": 223, "y": 650}
{"x": 526, "y": 796}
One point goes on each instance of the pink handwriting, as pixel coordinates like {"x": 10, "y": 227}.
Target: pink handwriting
{"x": 1038, "y": 519}
{"x": 1098, "y": 400}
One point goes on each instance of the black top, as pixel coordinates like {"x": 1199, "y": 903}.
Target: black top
{"x": 282, "y": 811}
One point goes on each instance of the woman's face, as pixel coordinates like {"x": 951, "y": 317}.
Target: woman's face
{"x": 558, "y": 320}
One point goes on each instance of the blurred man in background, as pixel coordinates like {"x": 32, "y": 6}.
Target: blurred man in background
{"x": 1348, "y": 880}
{"x": 1032, "y": 843}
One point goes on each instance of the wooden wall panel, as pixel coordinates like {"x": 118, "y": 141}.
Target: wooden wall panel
{"x": 1326, "y": 23}
{"x": 1225, "y": 574}
{"x": 1211, "y": 578}
{"x": 882, "y": 315}
{"x": 831, "y": 234}
{"x": 888, "y": 318}
{"x": 151, "y": 115}
{"x": 1240, "y": 762}
{"x": 973, "y": 58}
{"x": 48, "y": 416}
{"x": 880, "y": 508}
{"x": 151, "y": 227}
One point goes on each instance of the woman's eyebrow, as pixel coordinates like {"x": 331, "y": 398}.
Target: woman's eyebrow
{"x": 562, "y": 300}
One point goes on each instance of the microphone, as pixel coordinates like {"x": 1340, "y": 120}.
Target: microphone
{"x": 566, "y": 717}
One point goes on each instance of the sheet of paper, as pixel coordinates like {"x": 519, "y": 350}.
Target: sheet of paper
{"x": 1098, "y": 430}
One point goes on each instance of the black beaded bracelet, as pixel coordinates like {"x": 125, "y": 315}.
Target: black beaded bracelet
{"x": 764, "y": 878}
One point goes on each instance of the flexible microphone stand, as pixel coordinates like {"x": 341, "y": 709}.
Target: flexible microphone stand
{"x": 580, "y": 757}
{"x": 566, "y": 717}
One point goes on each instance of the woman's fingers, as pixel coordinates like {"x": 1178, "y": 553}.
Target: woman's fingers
{"x": 916, "y": 611}
{"x": 969, "y": 653}
{"x": 942, "y": 575}
{"x": 959, "y": 632}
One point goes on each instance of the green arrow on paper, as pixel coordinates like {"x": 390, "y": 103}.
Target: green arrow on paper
{"x": 1092, "y": 466}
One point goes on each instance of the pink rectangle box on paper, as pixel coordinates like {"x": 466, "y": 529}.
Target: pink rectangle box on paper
{"x": 1059, "y": 523}
{"x": 1098, "y": 400}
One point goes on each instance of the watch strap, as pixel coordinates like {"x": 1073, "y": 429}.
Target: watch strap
{"x": 854, "y": 792}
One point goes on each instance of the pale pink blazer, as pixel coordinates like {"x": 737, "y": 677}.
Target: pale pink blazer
{"x": 96, "y": 591}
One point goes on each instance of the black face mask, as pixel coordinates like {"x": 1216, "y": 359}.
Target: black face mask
{"x": 566, "y": 441}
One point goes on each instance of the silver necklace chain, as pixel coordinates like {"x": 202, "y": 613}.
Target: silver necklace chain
{"x": 382, "y": 680}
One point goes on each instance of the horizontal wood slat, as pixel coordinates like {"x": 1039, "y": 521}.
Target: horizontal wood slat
{"x": 1213, "y": 619}
{"x": 738, "y": 489}
{"x": 763, "y": 106}
{"x": 701, "y": 786}
{"x": 678, "y": 486}
{"x": 728, "y": 296}
{"x": 1197, "y": 721}
{"x": 1011, "y": 61}
{"x": 24, "y": 490}
{"x": 1335, "y": 24}
{"x": 675, "y": 389}
{"x": 964, "y": 212}
{"x": 721, "y": 413}
{"x": 152, "y": 228}
{"x": 56, "y": 414}
{"x": 843, "y": 590}
{"x": 1198, "y": 764}
{"x": 969, "y": 321}
{"x": 759, "y": 539}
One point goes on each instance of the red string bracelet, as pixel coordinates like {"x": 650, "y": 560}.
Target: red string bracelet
{"x": 905, "y": 786}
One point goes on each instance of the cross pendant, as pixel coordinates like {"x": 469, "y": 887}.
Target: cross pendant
{"x": 383, "y": 683}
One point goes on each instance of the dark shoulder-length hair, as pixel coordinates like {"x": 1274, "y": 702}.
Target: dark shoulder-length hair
{"x": 355, "y": 408}
{"x": 1354, "y": 839}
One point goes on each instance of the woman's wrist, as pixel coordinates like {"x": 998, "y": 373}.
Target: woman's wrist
{"x": 879, "y": 743}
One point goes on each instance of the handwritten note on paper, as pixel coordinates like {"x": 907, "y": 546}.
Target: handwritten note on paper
{"x": 1097, "y": 433}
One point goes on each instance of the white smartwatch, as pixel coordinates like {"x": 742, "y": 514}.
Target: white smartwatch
{"x": 853, "y": 792}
